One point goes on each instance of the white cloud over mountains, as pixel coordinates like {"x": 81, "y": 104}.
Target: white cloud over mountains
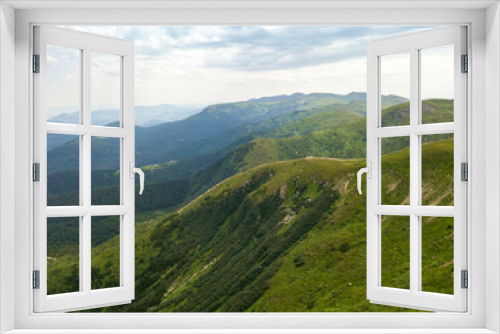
{"x": 209, "y": 64}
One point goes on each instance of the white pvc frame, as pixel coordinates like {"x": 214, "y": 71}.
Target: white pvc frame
{"x": 474, "y": 320}
{"x": 86, "y": 297}
{"x": 415, "y": 297}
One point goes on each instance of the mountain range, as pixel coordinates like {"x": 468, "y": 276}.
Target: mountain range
{"x": 261, "y": 213}
{"x": 281, "y": 237}
{"x": 214, "y": 128}
{"x": 331, "y": 131}
{"x": 144, "y": 115}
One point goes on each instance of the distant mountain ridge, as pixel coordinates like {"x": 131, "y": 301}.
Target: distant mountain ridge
{"x": 338, "y": 134}
{"x": 171, "y": 141}
{"x": 144, "y": 115}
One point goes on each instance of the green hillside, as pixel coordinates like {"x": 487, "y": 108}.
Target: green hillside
{"x": 215, "y": 128}
{"x": 331, "y": 133}
{"x": 344, "y": 136}
{"x": 287, "y": 236}
{"x": 433, "y": 111}
{"x": 332, "y": 117}
{"x": 319, "y": 138}
{"x": 337, "y": 114}
{"x": 298, "y": 122}
{"x": 154, "y": 144}
{"x": 192, "y": 158}
{"x": 347, "y": 140}
{"x": 326, "y": 270}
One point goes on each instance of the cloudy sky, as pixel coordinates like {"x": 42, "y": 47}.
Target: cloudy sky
{"x": 210, "y": 64}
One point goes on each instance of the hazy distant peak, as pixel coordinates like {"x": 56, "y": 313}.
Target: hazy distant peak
{"x": 144, "y": 115}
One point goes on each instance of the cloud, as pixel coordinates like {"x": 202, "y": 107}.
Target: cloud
{"x": 208, "y": 64}
{"x": 252, "y": 48}
{"x": 63, "y": 77}
{"x": 261, "y": 49}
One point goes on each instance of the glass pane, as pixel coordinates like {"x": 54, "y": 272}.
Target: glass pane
{"x": 105, "y": 89}
{"x": 63, "y": 255}
{"x": 105, "y": 252}
{"x": 395, "y": 251}
{"x": 105, "y": 171}
{"x": 63, "y": 170}
{"x": 63, "y": 84}
{"x": 437, "y": 169}
{"x": 395, "y": 171}
{"x": 437, "y": 254}
{"x": 437, "y": 84}
{"x": 395, "y": 82}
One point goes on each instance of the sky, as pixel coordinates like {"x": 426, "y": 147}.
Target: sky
{"x": 201, "y": 65}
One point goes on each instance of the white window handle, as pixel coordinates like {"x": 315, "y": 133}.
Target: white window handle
{"x": 368, "y": 171}
{"x": 139, "y": 171}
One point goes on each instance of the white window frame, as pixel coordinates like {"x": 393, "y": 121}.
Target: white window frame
{"x": 85, "y": 298}
{"x": 484, "y": 310}
{"x": 413, "y": 44}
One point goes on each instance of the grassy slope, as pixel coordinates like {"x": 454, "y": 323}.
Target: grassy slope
{"x": 193, "y": 157}
{"x": 155, "y": 144}
{"x": 196, "y": 155}
{"x": 299, "y": 122}
{"x": 288, "y": 236}
{"x": 331, "y": 276}
{"x": 244, "y": 133}
{"x": 346, "y": 140}
{"x": 261, "y": 151}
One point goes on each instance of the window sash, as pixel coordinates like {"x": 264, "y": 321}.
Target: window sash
{"x": 86, "y": 297}
{"x": 414, "y": 298}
